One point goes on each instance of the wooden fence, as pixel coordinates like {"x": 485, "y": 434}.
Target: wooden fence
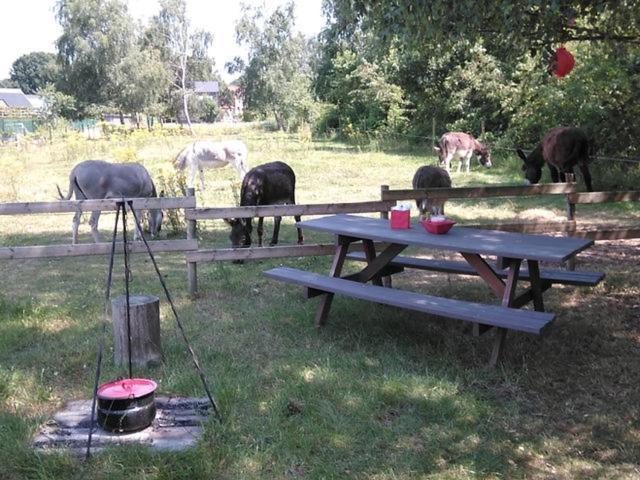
{"x": 570, "y": 225}
{"x": 73, "y": 206}
{"x": 389, "y": 198}
{"x": 218, "y": 254}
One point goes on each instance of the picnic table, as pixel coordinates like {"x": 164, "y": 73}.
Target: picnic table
{"x": 476, "y": 246}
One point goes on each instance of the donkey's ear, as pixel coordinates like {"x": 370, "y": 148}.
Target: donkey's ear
{"x": 521, "y": 154}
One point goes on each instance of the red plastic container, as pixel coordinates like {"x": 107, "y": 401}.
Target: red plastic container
{"x": 400, "y": 219}
{"x": 437, "y": 227}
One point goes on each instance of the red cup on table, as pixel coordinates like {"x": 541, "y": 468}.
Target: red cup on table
{"x": 400, "y": 217}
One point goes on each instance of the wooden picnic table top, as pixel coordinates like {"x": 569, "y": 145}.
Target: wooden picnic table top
{"x": 459, "y": 239}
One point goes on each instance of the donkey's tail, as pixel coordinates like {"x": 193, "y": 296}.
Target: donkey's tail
{"x": 181, "y": 160}
{"x": 68, "y": 195}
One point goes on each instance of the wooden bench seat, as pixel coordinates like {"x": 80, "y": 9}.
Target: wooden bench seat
{"x": 565, "y": 277}
{"x": 510, "y": 318}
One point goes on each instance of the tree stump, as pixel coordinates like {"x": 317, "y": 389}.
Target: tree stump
{"x": 144, "y": 313}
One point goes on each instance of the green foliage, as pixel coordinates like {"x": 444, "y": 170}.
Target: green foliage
{"x": 173, "y": 184}
{"x": 208, "y": 109}
{"x": 141, "y": 80}
{"x": 365, "y": 101}
{"x": 512, "y": 27}
{"x": 277, "y": 79}
{"x": 96, "y": 36}
{"x": 34, "y": 71}
{"x": 598, "y": 95}
{"x": 8, "y": 83}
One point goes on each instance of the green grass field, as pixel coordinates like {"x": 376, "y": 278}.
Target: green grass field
{"x": 378, "y": 393}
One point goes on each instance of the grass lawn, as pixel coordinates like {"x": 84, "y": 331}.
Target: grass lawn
{"x": 379, "y": 393}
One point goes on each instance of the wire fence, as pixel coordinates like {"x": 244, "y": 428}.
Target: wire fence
{"x": 493, "y": 147}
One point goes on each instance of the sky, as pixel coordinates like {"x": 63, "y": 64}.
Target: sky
{"x": 29, "y": 25}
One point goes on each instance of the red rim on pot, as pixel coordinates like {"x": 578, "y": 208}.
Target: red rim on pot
{"x": 126, "y": 388}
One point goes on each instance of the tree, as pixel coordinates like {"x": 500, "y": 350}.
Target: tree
{"x": 33, "y": 71}
{"x": 184, "y": 52}
{"x": 140, "y": 79}
{"x": 97, "y": 35}
{"x": 8, "y": 83}
{"x": 277, "y": 77}
{"x": 514, "y": 26}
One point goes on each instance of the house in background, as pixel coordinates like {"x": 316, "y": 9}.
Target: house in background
{"x": 17, "y": 114}
{"x": 207, "y": 89}
{"x": 13, "y": 98}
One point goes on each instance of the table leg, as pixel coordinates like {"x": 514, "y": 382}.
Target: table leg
{"x": 536, "y": 286}
{"x": 507, "y": 298}
{"x": 370, "y": 253}
{"x": 342, "y": 247}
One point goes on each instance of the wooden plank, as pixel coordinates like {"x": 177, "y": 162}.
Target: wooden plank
{"x": 103, "y": 248}
{"x": 277, "y": 251}
{"x": 603, "y": 197}
{"x": 286, "y": 210}
{"x": 177, "y": 426}
{"x": 498, "y": 316}
{"x": 562, "y": 226}
{"x": 608, "y": 233}
{"x": 480, "y": 192}
{"x": 567, "y": 277}
{"x": 61, "y": 206}
{"x": 458, "y": 239}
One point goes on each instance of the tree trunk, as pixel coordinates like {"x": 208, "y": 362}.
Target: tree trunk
{"x": 144, "y": 313}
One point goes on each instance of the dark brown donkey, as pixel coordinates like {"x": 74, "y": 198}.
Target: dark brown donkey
{"x": 268, "y": 184}
{"x": 562, "y": 148}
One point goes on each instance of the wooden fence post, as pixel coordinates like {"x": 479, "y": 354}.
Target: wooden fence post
{"x": 384, "y": 188}
{"x": 571, "y": 216}
{"x": 192, "y": 267}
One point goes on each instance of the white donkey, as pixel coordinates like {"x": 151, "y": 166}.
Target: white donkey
{"x": 97, "y": 179}
{"x": 202, "y": 154}
{"x": 462, "y": 146}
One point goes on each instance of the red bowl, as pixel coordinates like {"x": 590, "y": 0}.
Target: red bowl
{"x": 437, "y": 227}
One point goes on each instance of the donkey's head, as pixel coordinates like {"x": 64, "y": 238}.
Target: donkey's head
{"x": 154, "y": 217}
{"x": 240, "y": 235}
{"x": 532, "y": 166}
{"x": 484, "y": 155}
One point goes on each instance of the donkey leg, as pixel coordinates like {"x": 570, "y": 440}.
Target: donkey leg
{"x": 74, "y": 227}
{"x": 201, "y": 171}
{"x": 192, "y": 175}
{"x": 276, "y": 231}
{"x": 93, "y": 221}
{"x": 586, "y": 175}
{"x": 300, "y": 234}
{"x": 555, "y": 176}
{"x": 260, "y": 230}
{"x": 447, "y": 162}
{"x": 137, "y": 233}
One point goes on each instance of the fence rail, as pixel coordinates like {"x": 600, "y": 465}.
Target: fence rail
{"x": 287, "y": 210}
{"x": 62, "y": 206}
{"x": 85, "y": 249}
{"x": 388, "y": 198}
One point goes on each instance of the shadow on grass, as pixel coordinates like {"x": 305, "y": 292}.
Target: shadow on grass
{"x": 377, "y": 392}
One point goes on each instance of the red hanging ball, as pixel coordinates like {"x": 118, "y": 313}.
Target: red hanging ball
{"x": 561, "y": 63}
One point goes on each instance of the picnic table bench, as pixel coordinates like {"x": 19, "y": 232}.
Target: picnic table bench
{"x": 473, "y": 244}
{"x": 565, "y": 277}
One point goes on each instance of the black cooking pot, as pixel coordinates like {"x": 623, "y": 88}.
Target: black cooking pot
{"x": 126, "y": 405}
